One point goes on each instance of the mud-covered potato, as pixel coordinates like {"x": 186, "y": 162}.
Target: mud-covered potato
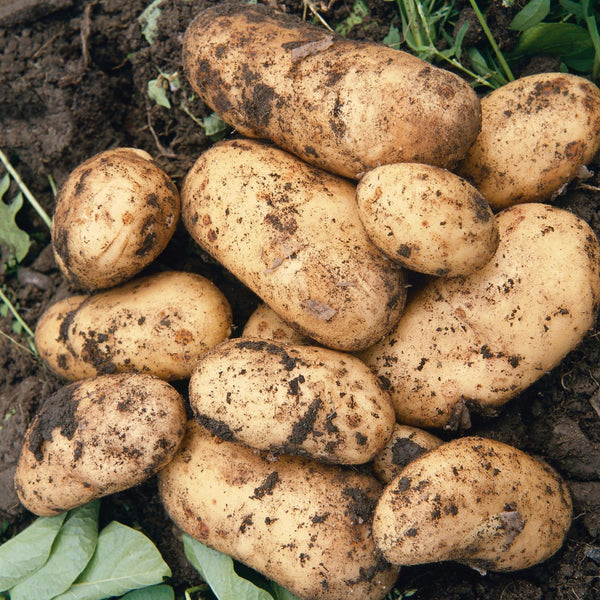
{"x": 293, "y": 235}
{"x": 160, "y": 325}
{"x": 96, "y": 437}
{"x": 477, "y": 341}
{"x": 475, "y": 501}
{"x": 427, "y": 219}
{"x": 266, "y": 324}
{"x": 301, "y": 523}
{"x": 342, "y": 105}
{"x": 114, "y": 215}
{"x": 405, "y": 444}
{"x": 292, "y": 399}
{"x": 536, "y": 133}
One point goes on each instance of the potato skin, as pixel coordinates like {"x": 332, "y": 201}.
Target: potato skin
{"x": 292, "y": 399}
{"x": 303, "y": 524}
{"x": 114, "y": 215}
{"x": 97, "y": 437}
{"x": 536, "y": 132}
{"x": 160, "y": 324}
{"x": 344, "y": 106}
{"x": 266, "y": 324}
{"x": 427, "y": 219}
{"x": 292, "y": 234}
{"x": 475, "y": 501}
{"x": 483, "y": 338}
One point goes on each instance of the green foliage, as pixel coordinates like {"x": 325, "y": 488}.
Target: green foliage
{"x": 148, "y": 20}
{"x": 64, "y": 557}
{"x": 218, "y": 571}
{"x": 356, "y": 17}
{"x": 214, "y": 127}
{"x": 15, "y": 240}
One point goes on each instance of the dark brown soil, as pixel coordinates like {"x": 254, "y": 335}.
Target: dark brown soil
{"x": 73, "y": 80}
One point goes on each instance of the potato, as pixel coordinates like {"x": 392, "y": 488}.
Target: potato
{"x": 536, "y": 133}
{"x": 292, "y": 399}
{"x": 477, "y": 341}
{"x": 342, "y": 105}
{"x": 96, "y": 437}
{"x": 114, "y": 215}
{"x": 266, "y": 324}
{"x": 160, "y": 324}
{"x": 476, "y": 501}
{"x": 292, "y": 234}
{"x": 303, "y": 524}
{"x": 427, "y": 219}
{"x": 405, "y": 444}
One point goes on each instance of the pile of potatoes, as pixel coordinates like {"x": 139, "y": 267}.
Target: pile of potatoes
{"x": 308, "y": 456}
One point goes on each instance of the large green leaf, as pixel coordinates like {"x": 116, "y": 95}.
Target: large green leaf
{"x": 125, "y": 560}
{"x": 555, "y": 39}
{"x": 155, "y": 592}
{"x": 217, "y": 570}
{"x": 28, "y": 551}
{"x": 72, "y": 549}
{"x": 531, "y": 14}
{"x": 15, "y": 239}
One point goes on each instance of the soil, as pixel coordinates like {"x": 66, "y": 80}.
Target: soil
{"x": 73, "y": 81}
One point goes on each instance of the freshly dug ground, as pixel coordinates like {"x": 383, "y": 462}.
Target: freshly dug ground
{"x": 73, "y": 82}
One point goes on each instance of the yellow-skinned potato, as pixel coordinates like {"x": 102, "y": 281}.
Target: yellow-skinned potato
{"x": 405, "y": 444}
{"x": 344, "y": 106}
{"x": 266, "y": 324}
{"x": 536, "y": 133}
{"x": 479, "y": 340}
{"x": 427, "y": 219}
{"x": 301, "y": 523}
{"x": 160, "y": 324}
{"x": 292, "y": 234}
{"x": 97, "y": 437}
{"x": 114, "y": 215}
{"x": 474, "y": 501}
{"x": 292, "y": 399}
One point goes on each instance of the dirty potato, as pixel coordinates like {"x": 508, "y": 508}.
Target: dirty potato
{"x": 342, "y": 105}
{"x": 114, "y": 215}
{"x": 292, "y": 399}
{"x": 301, "y": 523}
{"x": 266, "y": 324}
{"x": 96, "y": 437}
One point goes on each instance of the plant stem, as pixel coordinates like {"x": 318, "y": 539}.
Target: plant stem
{"x": 40, "y": 211}
{"x": 492, "y": 41}
{"x": 15, "y": 313}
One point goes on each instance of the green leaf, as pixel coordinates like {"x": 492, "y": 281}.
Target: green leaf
{"x": 359, "y": 11}
{"x": 154, "y": 592}
{"x": 158, "y": 93}
{"x": 531, "y": 14}
{"x": 554, "y": 39}
{"x": 214, "y": 127}
{"x": 125, "y": 560}
{"x": 11, "y": 235}
{"x": 71, "y": 551}
{"x": 393, "y": 37}
{"x": 217, "y": 570}
{"x": 148, "y": 19}
{"x": 28, "y": 551}
{"x": 280, "y": 593}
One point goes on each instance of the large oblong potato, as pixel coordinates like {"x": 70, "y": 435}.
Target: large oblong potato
{"x": 160, "y": 324}
{"x": 342, "y": 105}
{"x": 475, "y": 501}
{"x": 535, "y": 134}
{"x": 97, "y": 437}
{"x": 301, "y": 523}
{"x": 114, "y": 215}
{"x": 477, "y": 341}
{"x": 427, "y": 219}
{"x": 292, "y": 234}
{"x": 292, "y": 399}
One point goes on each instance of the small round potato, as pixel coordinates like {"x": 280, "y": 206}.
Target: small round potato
{"x": 96, "y": 437}
{"x": 292, "y": 399}
{"x": 536, "y": 132}
{"x": 160, "y": 325}
{"x": 427, "y": 219}
{"x": 475, "y": 501}
{"x": 114, "y": 215}
{"x": 301, "y": 523}
{"x": 479, "y": 340}
{"x": 406, "y": 444}
{"x": 266, "y": 324}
